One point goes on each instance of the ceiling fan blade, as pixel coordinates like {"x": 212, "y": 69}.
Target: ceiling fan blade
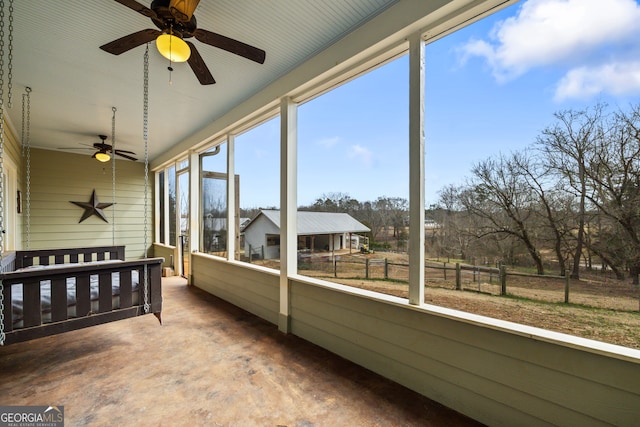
{"x": 230, "y": 45}
{"x": 199, "y": 67}
{"x": 125, "y": 156}
{"x": 183, "y": 10}
{"x": 134, "y": 5}
{"x": 126, "y": 43}
{"x": 124, "y": 151}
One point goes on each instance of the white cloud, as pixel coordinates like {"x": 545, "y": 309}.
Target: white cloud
{"x": 615, "y": 78}
{"x": 561, "y": 32}
{"x": 362, "y": 154}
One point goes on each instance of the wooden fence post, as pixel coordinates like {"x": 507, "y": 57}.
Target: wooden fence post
{"x": 444, "y": 268}
{"x": 335, "y": 267}
{"x": 458, "y": 277}
{"x": 250, "y": 254}
{"x": 566, "y": 287}
{"x": 366, "y": 268}
{"x": 503, "y": 280}
{"x": 386, "y": 268}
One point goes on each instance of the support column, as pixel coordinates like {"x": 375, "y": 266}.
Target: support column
{"x": 416, "y": 170}
{"x": 194, "y": 209}
{"x": 156, "y": 206}
{"x": 288, "y": 205}
{"x": 231, "y": 198}
{"x": 166, "y": 210}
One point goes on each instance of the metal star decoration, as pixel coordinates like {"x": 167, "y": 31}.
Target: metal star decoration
{"x": 93, "y": 207}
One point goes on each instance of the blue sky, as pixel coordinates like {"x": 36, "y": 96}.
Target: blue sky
{"x": 491, "y": 87}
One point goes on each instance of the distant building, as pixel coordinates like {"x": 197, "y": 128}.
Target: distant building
{"x": 430, "y": 224}
{"x": 317, "y": 231}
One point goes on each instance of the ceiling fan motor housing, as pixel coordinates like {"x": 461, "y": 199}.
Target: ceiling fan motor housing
{"x": 167, "y": 22}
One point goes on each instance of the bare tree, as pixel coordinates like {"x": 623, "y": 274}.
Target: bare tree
{"x": 501, "y": 197}
{"x": 394, "y": 211}
{"x": 371, "y": 217}
{"x": 568, "y": 146}
{"x": 614, "y": 177}
{"x": 456, "y": 226}
{"x": 551, "y": 206}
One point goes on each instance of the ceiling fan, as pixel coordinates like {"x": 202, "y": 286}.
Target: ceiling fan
{"x": 104, "y": 150}
{"x": 176, "y": 22}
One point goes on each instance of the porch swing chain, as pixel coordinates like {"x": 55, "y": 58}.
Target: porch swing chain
{"x": 26, "y": 149}
{"x": 2, "y": 183}
{"x": 10, "y": 52}
{"x": 145, "y": 125}
{"x": 10, "y": 57}
{"x": 113, "y": 175}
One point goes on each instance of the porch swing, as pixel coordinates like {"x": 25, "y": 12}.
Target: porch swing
{"x": 51, "y": 291}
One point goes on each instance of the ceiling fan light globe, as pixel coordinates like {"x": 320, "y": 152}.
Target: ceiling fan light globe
{"x": 102, "y": 156}
{"x": 173, "y": 48}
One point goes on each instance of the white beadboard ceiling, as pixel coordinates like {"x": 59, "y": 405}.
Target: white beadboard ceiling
{"x": 75, "y": 84}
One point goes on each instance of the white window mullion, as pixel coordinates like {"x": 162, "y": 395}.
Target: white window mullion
{"x": 416, "y": 169}
{"x": 194, "y": 203}
{"x": 231, "y": 199}
{"x": 288, "y": 205}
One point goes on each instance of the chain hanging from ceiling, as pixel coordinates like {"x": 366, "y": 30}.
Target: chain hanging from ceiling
{"x": 2, "y": 137}
{"x": 10, "y": 57}
{"x": 9, "y": 51}
{"x": 113, "y": 175}
{"x": 145, "y": 133}
{"x": 26, "y": 152}
{"x": 2, "y": 181}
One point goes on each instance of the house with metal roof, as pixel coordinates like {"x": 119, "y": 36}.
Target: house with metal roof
{"x": 317, "y": 231}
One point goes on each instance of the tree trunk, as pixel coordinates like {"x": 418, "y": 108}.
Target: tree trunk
{"x": 634, "y": 271}
{"x": 616, "y": 270}
{"x": 534, "y": 253}
{"x": 577, "y": 256}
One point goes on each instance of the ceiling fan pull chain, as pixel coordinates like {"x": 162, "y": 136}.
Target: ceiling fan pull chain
{"x": 170, "y": 67}
{"x": 113, "y": 175}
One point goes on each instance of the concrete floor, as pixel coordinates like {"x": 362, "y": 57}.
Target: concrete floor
{"x": 210, "y": 364}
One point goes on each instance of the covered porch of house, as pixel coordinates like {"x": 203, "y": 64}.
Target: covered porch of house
{"x": 211, "y": 363}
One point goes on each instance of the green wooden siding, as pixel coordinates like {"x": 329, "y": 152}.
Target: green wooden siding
{"x": 58, "y": 178}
